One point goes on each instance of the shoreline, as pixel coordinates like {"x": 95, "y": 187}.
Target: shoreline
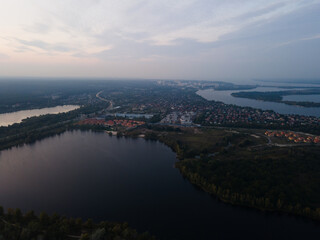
{"x": 202, "y": 184}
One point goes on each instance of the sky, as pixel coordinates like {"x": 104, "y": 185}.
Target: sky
{"x": 161, "y": 39}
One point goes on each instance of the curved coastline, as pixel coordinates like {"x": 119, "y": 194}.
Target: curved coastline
{"x": 282, "y": 108}
{"x": 10, "y": 118}
{"x": 209, "y": 207}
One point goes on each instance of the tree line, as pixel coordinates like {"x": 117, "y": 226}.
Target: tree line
{"x": 14, "y": 225}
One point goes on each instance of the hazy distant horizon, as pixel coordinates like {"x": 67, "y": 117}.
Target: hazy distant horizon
{"x": 185, "y": 39}
{"x": 236, "y": 81}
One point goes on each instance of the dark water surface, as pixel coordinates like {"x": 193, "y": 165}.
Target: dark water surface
{"x": 85, "y": 174}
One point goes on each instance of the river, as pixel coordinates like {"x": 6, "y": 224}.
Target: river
{"x": 7, "y": 119}
{"x": 225, "y": 97}
{"x": 86, "y": 174}
{"x": 302, "y": 98}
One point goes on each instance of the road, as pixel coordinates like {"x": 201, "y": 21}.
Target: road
{"x": 105, "y": 100}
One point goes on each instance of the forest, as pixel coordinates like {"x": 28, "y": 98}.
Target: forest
{"x": 25, "y": 94}
{"x": 16, "y": 225}
{"x": 277, "y": 96}
{"x": 243, "y": 170}
{"x": 36, "y": 128}
{"x": 228, "y": 162}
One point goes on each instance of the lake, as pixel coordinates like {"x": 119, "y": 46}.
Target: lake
{"x": 86, "y": 174}
{"x": 7, "y": 119}
{"x": 225, "y": 97}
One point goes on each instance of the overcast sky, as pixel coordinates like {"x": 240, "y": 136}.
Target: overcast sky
{"x": 180, "y": 39}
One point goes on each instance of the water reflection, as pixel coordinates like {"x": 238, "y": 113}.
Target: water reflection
{"x": 7, "y": 119}
{"x": 85, "y": 174}
{"x": 225, "y": 97}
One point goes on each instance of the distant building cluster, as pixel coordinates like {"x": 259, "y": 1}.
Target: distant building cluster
{"x": 232, "y": 114}
{"x": 221, "y": 114}
{"x": 111, "y": 123}
{"x": 190, "y": 83}
{"x": 183, "y": 118}
{"x": 174, "y": 106}
{"x": 92, "y": 121}
{"x": 124, "y": 123}
{"x": 294, "y": 137}
{"x": 217, "y": 113}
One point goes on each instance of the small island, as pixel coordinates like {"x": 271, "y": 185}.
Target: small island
{"x": 277, "y": 96}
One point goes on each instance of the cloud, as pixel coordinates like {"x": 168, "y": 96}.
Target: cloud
{"x": 157, "y": 22}
{"x": 260, "y": 12}
{"x": 131, "y": 32}
{"x": 3, "y": 56}
{"x": 57, "y": 47}
{"x": 39, "y": 28}
{"x": 315, "y": 37}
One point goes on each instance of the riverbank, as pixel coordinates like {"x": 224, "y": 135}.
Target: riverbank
{"x": 37, "y": 128}
{"x": 245, "y": 200}
{"x": 244, "y": 170}
{"x": 132, "y": 180}
{"x": 7, "y": 119}
{"x": 238, "y": 166}
{"x": 277, "y": 97}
